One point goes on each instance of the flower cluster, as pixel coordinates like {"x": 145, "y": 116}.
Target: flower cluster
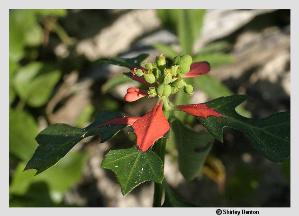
{"x": 162, "y": 79}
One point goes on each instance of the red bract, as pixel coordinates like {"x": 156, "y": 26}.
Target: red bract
{"x": 198, "y": 68}
{"x": 148, "y": 128}
{"x": 134, "y": 94}
{"x": 199, "y": 110}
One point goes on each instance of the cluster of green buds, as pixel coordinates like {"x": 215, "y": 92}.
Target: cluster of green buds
{"x": 166, "y": 76}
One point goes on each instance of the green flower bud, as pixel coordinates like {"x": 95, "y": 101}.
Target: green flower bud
{"x": 174, "y": 89}
{"x": 150, "y": 78}
{"x": 167, "y": 78}
{"x": 180, "y": 83}
{"x": 188, "y": 89}
{"x": 161, "y": 60}
{"x": 149, "y": 66}
{"x": 167, "y": 90}
{"x": 157, "y": 73}
{"x": 174, "y": 70}
{"x": 184, "y": 63}
{"x": 152, "y": 92}
{"x": 139, "y": 72}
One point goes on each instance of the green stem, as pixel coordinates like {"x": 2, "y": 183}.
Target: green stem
{"x": 158, "y": 188}
{"x": 62, "y": 34}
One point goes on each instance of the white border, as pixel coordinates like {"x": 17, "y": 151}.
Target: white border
{"x": 130, "y": 4}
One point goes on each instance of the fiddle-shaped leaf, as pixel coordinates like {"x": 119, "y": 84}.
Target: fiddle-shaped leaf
{"x": 133, "y": 167}
{"x": 57, "y": 140}
{"x": 270, "y": 136}
{"x": 193, "y": 148}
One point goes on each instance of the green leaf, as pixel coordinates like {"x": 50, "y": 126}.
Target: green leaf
{"x": 104, "y": 132}
{"x": 215, "y": 59}
{"x": 34, "y": 83}
{"x": 270, "y": 136}
{"x": 24, "y": 30}
{"x": 125, "y": 62}
{"x": 193, "y": 148}
{"x": 35, "y": 36}
{"x": 58, "y": 139}
{"x": 54, "y": 143}
{"x": 186, "y": 24}
{"x": 22, "y": 130}
{"x": 59, "y": 178}
{"x": 168, "y": 18}
{"x": 211, "y": 86}
{"x": 172, "y": 199}
{"x": 37, "y": 195}
{"x": 166, "y": 50}
{"x": 133, "y": 167}
{"x": 51, "y": 12}
{"x": 18, "y": 21}
{"x": 85, "y": 116}
{"x": 115, "y": 81}
{"x": 214, "y": 47}
{"x": 189, "y": 27}
{"x": 214, "y": 89}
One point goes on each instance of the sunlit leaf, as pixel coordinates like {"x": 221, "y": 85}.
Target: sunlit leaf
{"x": 59, "y": 178}
{"x": 51, "y": 12}
{"x": 215, "y": 59}
{"x": 189, "y": 27}
{"x": 37, "y": 195}
{"x": 34, "y": 83}
{"x": 214, "y": 47}
{"x": 166, "y": 50}
{"x": 22, "y": 130}
{"x": 186, "y": 24}
{"x": 133, "y": 167}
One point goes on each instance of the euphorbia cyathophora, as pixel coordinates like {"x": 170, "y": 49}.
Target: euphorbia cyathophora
{"x": 162, "y": 78}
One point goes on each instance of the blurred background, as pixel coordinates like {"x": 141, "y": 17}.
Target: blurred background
{"x": 56, "y": 76}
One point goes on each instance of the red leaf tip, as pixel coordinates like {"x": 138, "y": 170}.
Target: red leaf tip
{"x": 199, "y": 110}
{"x": 150, "y": 127}
{"x": 198, "y": 68}
{"x": 134, "y": 94}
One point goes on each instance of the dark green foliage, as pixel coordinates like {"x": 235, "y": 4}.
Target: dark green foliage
{"x": 172, "y": 199}
{"x": 125, "y": 62}
{"x": 58, "y": 139}
{"x": 270, "y": 136}
{"x": 193, "y": 148}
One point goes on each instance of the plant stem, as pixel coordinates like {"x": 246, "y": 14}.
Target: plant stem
{"x": 158, "y": 188}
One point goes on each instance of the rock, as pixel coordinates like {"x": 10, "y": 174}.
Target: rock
{"x": 118, "y": 37}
